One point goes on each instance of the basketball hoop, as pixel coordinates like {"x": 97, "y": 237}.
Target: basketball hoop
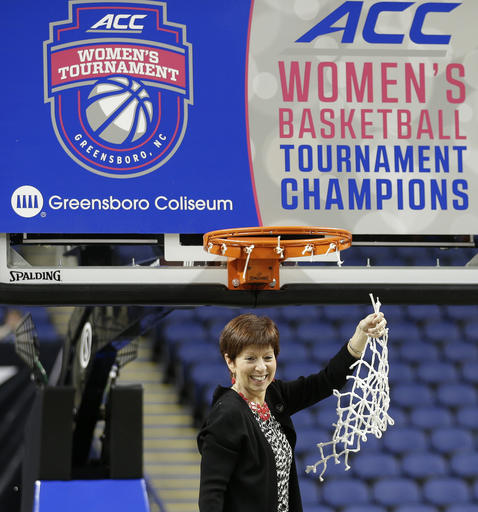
{"x": 254, "y": 254}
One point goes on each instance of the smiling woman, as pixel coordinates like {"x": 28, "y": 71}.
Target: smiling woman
{"x": 247, "y": 442}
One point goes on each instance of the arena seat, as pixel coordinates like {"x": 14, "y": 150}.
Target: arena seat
{"x": 416, "y": 508}
{"x": 405, "y": 440}
{"x": 469, "y": 371}
{"x": 455, "y": 395}
{"x": 436, "y": 372}
{"x": 438, "y": 331}
{"x": 465, "y": 464}
{"x": 342, "y": 492}
{"x": 457, "y": 351}
{"x": 467, "y": 416}
{"x": 444, "y": 491}
{"x": 448, "y": 440}
{"x": 412, "y": 395}
{"x": 462, "y": 508}
{"x": 424, "y": 465}
{"x": 430, "y": 417}
{"x": 396, "y": 491}
{"x": 375, "y": 465}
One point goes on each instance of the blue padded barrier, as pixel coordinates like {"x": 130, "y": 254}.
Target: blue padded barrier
{"x": 91, "y": 495}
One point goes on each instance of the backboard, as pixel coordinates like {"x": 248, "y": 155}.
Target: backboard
{"x": 134, "y": 127}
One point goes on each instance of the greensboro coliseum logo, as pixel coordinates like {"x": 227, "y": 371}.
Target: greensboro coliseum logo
{"x": 118, "y": 76}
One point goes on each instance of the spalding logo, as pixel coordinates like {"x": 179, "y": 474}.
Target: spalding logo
{"x": 118, "y": 77}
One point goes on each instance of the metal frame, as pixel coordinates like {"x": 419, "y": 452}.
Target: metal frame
{"x": 190, "y": 283}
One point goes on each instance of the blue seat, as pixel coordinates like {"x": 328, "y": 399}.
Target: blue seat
{"x": 304, "y": 419}
{"x": 429, "y": 417}
{"x": 322, "y": 352}
{"x": 343, "y": 492}
{"x": 461, "y": 312}
{"x": 307, "y": 439}
{"x": 456, "y": 395}
{"x": 299, "y": 313}
{"x": 293, "y": 353}
{"x": 419, "y": 352}
{"x": 412, "y": 395}
{"x": 470, "y": 330}
{"x": 405, "y": 440}
{"x": 316, "y": 331}
{"x": 444, "y": 491}
{"x": 317, "y": 508}
{"x": 339, "y": 313}
{"x": 451, "y": 439}
{"x": 424, "y": 465}
{"x": 467, "y": 416}
{"x": 405, "y": 332}
{"x": 295, "y": 370}
{"x": 465, "y": 464}
{"x": 416, "y": 508}
{"x": 424, "y": 312}
{"x": 469, "y": 371}
{"x": 327, "y": 414}
{"x": 436, "y": 372}
{"x": 203, "y": 374}
{"x": 401, "y": 373}
{"x": 364, "y": 508}
{"x": 375, "y": 465}
{"x": 438, "y": 331}
{"x": 309, "y": 491}
{"x": 465, "y": 507}
{"x": 184, "y": 331}
{"x": 396, "y": 491}
{"x": 460, "y": 351}
{"x": 191, "y": 353}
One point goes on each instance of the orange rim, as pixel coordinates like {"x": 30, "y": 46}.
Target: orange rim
{"x": 254, "y": 254}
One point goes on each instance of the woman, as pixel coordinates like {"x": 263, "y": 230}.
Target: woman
{"x": 247, "y": 442}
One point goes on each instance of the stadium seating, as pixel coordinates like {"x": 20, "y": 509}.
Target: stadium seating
{"x": 428, "y": 460}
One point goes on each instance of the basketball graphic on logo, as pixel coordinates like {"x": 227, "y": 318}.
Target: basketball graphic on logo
{"x": 119, "y": 109}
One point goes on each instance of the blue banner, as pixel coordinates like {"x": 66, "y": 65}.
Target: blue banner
{"x": 125, "y": 117}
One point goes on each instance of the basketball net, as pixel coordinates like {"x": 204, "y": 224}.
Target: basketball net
{"x": 363, "y": 410}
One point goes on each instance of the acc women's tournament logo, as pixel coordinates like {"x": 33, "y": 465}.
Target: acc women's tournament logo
{"x": 118, "y": 76}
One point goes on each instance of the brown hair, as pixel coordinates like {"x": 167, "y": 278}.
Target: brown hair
{"x": 246, "y": 330}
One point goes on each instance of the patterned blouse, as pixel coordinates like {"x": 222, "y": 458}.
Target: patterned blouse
{"x": 281, "y": 448}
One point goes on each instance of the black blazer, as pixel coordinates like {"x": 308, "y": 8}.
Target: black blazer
{"x": 238, "y": 471}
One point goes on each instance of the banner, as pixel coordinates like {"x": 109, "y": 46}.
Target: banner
{"x": 186, "y": 116}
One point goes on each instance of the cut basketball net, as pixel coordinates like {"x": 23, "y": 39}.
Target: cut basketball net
{"x": 366, "y": 409}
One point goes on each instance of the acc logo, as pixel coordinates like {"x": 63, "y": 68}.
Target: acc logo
{"x": 27, "y": 201}
{"x": 118, "y": 77}
{"x": 351, "y": 11}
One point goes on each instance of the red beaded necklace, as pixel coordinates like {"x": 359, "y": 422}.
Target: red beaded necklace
{"x": 262, "y": 410}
